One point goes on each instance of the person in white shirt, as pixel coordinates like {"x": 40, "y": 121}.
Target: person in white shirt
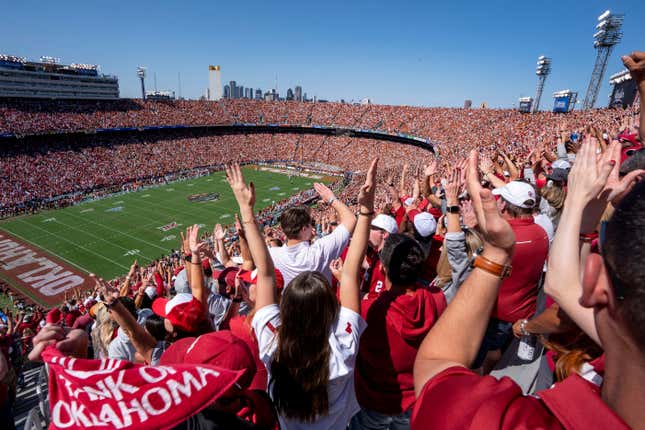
{"x": 299, "y": 254}
{"x": 308, "y": 342}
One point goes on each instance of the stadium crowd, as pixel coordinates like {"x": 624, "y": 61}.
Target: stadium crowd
{"x": 499, "y": 285}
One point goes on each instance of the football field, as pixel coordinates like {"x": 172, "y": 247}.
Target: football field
{"x": 105, "y": 236}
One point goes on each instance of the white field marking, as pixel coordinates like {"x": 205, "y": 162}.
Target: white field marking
{"x": 266, "y": 200}
{"x": 132, "y": 252}
{"x": 209, "y": 180}
{"x": 168, "y": 238}
{"x": 87, "y": 210}
{"x": 225, "y": 216}
{"x": 50, "y": 252}
{"x": 49, "y": 220}
{"x": 295, "y": 188}
{"x": 168, "y": 190}
{"x": 190, "y": 185}
{"x": 145, "y": 195}
{"x": 76, "y": 245}
{"x": 274, "y": 188}
{"x": 119, "y": 232}
{"x": 282, "y": 194}
{"x": 119, "y": 202}
{"x": 201, "y": 225}
{"x": 115, "y": 209}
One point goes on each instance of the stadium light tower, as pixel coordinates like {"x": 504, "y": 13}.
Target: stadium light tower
{"x": 543, "y": 70}
{"x": 608, "y": 35}
{"x": 141, "y": 73}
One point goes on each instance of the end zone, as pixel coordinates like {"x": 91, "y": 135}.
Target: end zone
{"x": 37, "y": 274}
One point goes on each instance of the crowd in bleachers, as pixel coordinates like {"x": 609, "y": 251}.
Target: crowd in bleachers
{"x": 498, "y": 285}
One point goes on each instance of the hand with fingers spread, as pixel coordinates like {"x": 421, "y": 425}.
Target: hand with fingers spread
{"x": 468, "y": 214}
{"x": 453, "y": 186}
{"x": 616, "y": 187}
{"x": 244, "y": 194}
{"x": 430, "y": 169}
{"x": 588, "y": 176}
{"x": 194, "y": 244}
{"x": 218, "y": 232}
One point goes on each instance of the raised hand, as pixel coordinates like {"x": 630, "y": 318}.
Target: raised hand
{"x": 616, "y": 187}
{"x": 367, "y": 191}
{"x": 194, "y": 244}
{"x": 218, "y": 232}
{"x": 468, "y": 214}
{"x": 430, "y": 169}
{"x": 635, "y": 62}
{"x": 588, "y": 176}
{"x": 336, "y": 267}
{"x": 244, "y": 194}
{"x": 324, "y": 192}
{"x": 486, "y": 165}
{"x": 453, "y": 186}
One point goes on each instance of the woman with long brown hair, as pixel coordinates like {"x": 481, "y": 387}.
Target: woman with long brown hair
{"x": 308, "y": 342}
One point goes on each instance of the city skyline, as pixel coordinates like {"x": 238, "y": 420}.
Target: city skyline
{"x": 412, "y": 54}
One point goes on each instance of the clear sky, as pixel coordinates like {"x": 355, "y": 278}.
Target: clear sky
{"x": 425, "y": 53}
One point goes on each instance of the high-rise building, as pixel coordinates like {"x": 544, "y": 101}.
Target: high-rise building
{"x": 298, "y": 93}
{"x": 304, "y": 97}
{"x": 240, "y": 92}
{"x": 290, "y": 94}
{"x": 214, "y": 83}
{"x": 258, "y": 94}
{"x": 232, "y": 89}
{"x": 227, "y": 92}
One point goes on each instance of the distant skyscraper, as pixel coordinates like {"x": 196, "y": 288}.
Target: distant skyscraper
{"x": 298, "y": 94}
{"x": 240, "y": 92}
{"x": 227, "y": 92}
{"x": 214, "y": 83}
{"x": 232, "y": 89}
{"x": 304, "y": 97}
{"x": 290, "y": 94}
{"x": 258, "y": 94}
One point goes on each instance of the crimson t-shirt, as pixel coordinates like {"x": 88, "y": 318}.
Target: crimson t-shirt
{"x": 518, "y": 293}
{"x": 459, "y": 399}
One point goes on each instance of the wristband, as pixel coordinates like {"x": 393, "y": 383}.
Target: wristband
{"x": 588, "y": 237}
{"x": 236, "y": 300}
{"x": 453, "y": 209}
{"x": 331, "y": 200}
{"x": 496, "y": 269}
{"x": 366, "y": 213}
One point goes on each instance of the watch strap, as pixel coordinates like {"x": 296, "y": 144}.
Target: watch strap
{"x": 496, "y": 269}
{"x": 453, "y": 209}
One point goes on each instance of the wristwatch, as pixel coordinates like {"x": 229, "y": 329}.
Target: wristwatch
{"x": 500, "y": 270}
{"x": 453, "y": 209}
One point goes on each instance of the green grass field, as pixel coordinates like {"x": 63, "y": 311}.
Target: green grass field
{"x": 105, "y": 236}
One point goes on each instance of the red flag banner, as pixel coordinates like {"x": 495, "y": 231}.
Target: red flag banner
{"x": 102, "y": 394}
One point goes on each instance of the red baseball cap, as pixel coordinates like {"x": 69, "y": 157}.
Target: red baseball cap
{"x": 251, "y": 276}
{"x": 226, "y": 276}
{"x": 183, "y": 311}
{"x": 219, "y": 348}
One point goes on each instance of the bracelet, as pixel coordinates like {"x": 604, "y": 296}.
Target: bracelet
{"x": 588, "y": 237}
{"x": 331, "y": 200}
{"x": 249, "y": 222}
{"x": 367, "y": 213}
{"x": 500, "y": 270}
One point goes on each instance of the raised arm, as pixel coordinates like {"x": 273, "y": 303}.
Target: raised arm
{"x": 345, "y": 215}
{"x": 350, "y": 279}
{"x": 455, "y": 338}
{"x": 245, "y": 252}
{"x": 197, "y": 287}
{"x": 245, "y": 196}
{"x": 635, "y": 62}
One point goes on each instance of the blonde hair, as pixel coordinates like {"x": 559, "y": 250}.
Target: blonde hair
{"x": 102, "y": 332}
{"x": 555, "y": 195}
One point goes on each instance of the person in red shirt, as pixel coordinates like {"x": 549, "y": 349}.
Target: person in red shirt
{"x": 609, "y": 310}
{"x": 397, "y": 321}
{"x": 518, "y": 293}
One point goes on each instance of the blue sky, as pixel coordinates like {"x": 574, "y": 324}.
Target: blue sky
{"x": 415, "y": 53}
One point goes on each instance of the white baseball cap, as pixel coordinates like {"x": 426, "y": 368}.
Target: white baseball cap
{"x": 424, "y": 223}
{"x": 561, "y": 164}
{"x": 385, "y": 222}
{"x": 517, "y": 193}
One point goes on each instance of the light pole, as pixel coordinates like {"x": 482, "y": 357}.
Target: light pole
{"x": 608, "y": 35}
{"x": 543, "y": 70}
{"x": 141, "y": 73}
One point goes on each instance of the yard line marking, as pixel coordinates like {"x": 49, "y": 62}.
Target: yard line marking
{"x": 75, "y": 244}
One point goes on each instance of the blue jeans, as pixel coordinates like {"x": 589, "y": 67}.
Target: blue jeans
{"x": 499, "y": 335}
{"x": 366, "y": 419}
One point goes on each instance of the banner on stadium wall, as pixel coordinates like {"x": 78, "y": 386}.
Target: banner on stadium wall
{"x": 37, "y": 274}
